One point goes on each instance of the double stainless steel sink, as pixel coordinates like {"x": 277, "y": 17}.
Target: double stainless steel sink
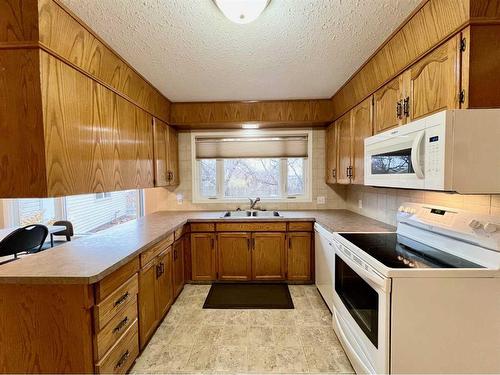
{"x": 251, "y": 214}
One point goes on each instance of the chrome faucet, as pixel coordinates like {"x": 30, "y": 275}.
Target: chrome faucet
{"x": 253, "y": 202}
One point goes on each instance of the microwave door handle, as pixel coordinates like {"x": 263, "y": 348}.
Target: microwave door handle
{"x": 415, "y": 155}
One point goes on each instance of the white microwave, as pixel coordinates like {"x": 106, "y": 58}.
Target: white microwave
{"x": 453, "y": 150}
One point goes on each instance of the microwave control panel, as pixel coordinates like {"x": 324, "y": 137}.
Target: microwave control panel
{"x": 434, "y": 156}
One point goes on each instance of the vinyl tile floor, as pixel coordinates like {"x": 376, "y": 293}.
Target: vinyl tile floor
{"x": 208, "y": 341}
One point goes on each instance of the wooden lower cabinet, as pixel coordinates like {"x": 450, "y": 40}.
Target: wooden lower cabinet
{"x": 164, "y": 284}
{"x": 147, "y": 303}
{"x": 203, "y": 257}
{"x": 155, "y": 293}
{"x": 234, "y": 256}
{"x": 299, "y": 256}
{"x": 268, "y": 256}
{"x": 178, "y": 266}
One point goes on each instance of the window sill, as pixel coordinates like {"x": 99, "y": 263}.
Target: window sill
{"x": 245, "y": 201}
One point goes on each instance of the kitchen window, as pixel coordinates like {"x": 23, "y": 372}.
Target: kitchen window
{"x": 89, "y": 213}
{"x": 234, "y": 166}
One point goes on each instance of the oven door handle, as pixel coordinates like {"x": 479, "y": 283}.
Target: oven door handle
{"x": 415, "y": 155}
{"x": 380, "y": 281}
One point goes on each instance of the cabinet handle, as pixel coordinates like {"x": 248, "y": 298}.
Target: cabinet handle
{"x": 406, "y": 106}
{"x": 122, "y": 299}
{"x": 162, "y": 268}
{"x": 334, "y": 172}
{"x": 253, "y": 243}
{"x": 122, "y": 360}
{"x": 289, "y": 243}
{"x": 120, "y": 325}
{"x": 213, "y": 244}
{"x": 158, "y": 271}
{"x": 249, "y": 243}
{"x": 399, "y": 110}
{"x": 175, "y": 254}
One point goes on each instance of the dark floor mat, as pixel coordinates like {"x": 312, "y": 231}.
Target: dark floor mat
{"x": 248, "y": 296}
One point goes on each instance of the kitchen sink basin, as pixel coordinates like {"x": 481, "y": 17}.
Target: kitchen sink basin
{"x": 266, "y": 214}
{"x": 238, "y": 214}
{"x": 251, "y": 214}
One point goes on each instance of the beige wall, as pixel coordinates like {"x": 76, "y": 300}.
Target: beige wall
{"x": 382, "y": 204}
{"x": 165, "y": 199}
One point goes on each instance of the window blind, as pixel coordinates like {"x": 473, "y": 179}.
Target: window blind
{"x": 251, "y": 147}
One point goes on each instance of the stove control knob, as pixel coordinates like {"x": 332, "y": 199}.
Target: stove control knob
{"x": 490, "y": 228}
{"x": 474, "y": 224}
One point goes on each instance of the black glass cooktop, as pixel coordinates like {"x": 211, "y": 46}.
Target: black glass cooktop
{"x": 396, "y": 251}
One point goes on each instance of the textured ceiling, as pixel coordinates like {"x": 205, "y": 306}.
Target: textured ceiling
{"x": 295, "y": 49}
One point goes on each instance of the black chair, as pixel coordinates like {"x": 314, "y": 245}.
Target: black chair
{"x": 27, "y": 239}
{"x": 68, "y": 232}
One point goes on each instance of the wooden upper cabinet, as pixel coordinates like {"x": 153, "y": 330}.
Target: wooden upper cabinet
{"x": 160, "y": 135}
{"x": 299, "y": 256}
{"x": 331, "y": 154}
{"x": 234, "y": 256}
{"x": 434, "y": 81}
{"x": 173, "y": 156}
{"x": 361, "y": 128}
{"x": 344, "y": 148}
{"x": 388, "y": 106}
{"x": 203, "y": 256}
{"x": 166, "y": 159}
{"x": 268, "y": 256}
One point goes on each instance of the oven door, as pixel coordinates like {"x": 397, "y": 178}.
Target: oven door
{"x": 362, "y": 317}
{"x": 396, "y": 158}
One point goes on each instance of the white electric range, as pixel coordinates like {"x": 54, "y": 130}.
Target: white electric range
{"x": 425, "y": 299}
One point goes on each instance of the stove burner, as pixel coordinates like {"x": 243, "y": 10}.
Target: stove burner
{"x": 396, "y": 251}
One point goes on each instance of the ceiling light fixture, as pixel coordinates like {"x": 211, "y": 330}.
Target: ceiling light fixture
{"x": 242, "y": 11}
{"x": 250, "y": 126}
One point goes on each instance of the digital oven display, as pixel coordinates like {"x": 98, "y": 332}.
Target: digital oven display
{"x": 435, "y": 211}
{"x": 434, "y": 139}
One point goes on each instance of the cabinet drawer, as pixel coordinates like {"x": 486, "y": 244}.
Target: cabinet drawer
{"x": 252, "y": 227}
{"x": 179, "y": 232}
{"x": 115, "y": 302}
{"x": 300, "y": 226}
{"x": 156, "y": 249}
{"x": 110, "y": 334}
{"x": 121, "y": 356}
{"x": 202, "y": 227}
{"x": 113, "y": 281}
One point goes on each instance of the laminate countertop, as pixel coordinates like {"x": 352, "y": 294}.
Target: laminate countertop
{"x": 89, "y": 259}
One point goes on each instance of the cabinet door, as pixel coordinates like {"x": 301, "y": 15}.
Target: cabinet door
{"x": 299, "y": 256}
{"x": 268, "y": 256}
{"x": 164, "y": 288}
{"x": 173, "y": 156}
{"x": 331, "y": 154}
{"x": 386, "y": 114}
{"x": 434, "y": 81}
{"x": 203, "y": 256}
{"x": 160, "y": 135}
{"x": 178, "y": 266}
{"x": 147, "y": 302}
{"x": 361, "y": 129}
{"x": 344, "y": 148}
{"x": 234, "y": 256}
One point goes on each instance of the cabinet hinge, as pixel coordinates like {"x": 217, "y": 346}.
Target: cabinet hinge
{"x": 462, "y": 45}
{"x": 461, "y": 96}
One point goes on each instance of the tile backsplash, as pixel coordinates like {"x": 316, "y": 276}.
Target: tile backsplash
{"x": 166, "y": 199}
{"x": 382, "y": 204}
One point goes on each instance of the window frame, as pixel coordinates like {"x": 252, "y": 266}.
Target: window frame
{"x": 284, "y": 198}
{"x": 11, "y": 208}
